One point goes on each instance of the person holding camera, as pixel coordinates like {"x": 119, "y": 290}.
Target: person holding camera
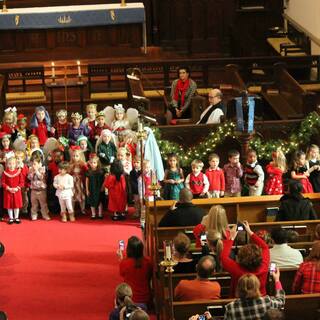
{"x": 251, "y": 304}
{"x": 251, "y": 258}
{"x": 131, "y": 311}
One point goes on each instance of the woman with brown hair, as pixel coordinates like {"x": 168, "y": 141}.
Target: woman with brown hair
{"x": 252, "y": 258}
{"x": 136, "y": 270}
{"x": 250, "y": 303}
{"x": 181, "y": 244}
{"x": 216, "y": 219}
{"x": 307, "y": 279}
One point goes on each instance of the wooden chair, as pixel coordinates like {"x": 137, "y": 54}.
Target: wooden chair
{"x": 28, "y": 84}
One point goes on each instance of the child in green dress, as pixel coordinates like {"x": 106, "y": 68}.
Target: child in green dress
{"x": 173, "y": 178}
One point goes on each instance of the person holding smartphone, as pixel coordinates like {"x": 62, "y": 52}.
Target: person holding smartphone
{"x": 251, "y": 258}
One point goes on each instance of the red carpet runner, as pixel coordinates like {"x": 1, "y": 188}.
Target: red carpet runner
{"x": 52, "y": 270}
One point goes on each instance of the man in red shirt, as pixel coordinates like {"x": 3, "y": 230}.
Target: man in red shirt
{"x": 201, "y": 287}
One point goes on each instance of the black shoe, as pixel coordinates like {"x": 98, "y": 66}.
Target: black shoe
{"x": 10, "y": 221}
{"x": 93, "y": 218}
{"x": 17, "y": 221}
{"x": 100, "y": 217}
{"x": 116, "y": 217}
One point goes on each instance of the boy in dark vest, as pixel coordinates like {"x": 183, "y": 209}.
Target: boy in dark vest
{"x": 197, "y": 181}
{"x": 253, "y": 174}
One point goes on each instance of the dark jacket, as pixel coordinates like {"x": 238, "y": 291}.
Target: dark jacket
{"x": 185, "y": 214}
{"x": 295, "y": 207}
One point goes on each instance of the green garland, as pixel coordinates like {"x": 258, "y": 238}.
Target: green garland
{"x": 309, "y": 126}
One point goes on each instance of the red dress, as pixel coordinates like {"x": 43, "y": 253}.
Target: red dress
{"x": 8, "y": 129}
{"x": 117, "y": 193}
{"x": 12, "y": 179}
{"x": 42, "y": 132}
{"x": 274, "y": 183}
{"x": 306, "y": 185}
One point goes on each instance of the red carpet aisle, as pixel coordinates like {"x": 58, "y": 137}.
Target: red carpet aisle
{"x": 52, "y": 270}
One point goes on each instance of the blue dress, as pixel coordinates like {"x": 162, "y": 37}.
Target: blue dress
{"x": 171, "y": 191}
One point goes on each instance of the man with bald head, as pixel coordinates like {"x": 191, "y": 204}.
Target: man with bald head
{"x": 215, "y": 110}
{"x": 201, "y": 287}
{"x": 183, "y": 213}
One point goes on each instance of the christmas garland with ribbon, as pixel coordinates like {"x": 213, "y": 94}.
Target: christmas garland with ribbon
{"x": 309, "y": 126}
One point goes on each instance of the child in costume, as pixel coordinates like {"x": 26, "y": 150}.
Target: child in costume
{"x": 173, "y": 178}
{"x": 94, "y": 186}
{"x": 6, "y": 146}
{"x": 253, "y": 174}
{"x": 63, "y": 182}
{"x": 60, "y": 128}
{"x": 40, "y": 124}
{"x": 145, "y": 181}
{"x": 215, "y": 176}
{"x": 90, "y": 120}
{"x": 124, "y": 156}
{"x": 116, "y": 184}
{"x": 21, "y": 157}
{"x": 134, "y": 176}
{"x": 233, "y": 172}
{"x": 100, "y": 125}
{"x": 120, "y": 122}
{"x": 105, "y": 148}
{"x": 129, "y": 138}
{"x": 37, "y": 177}
{"x": 313, "y": 163}
{"x": 21, "y": 132}
{"x": 196, "y": 181}
{"x": 85, "y": 146}
{"x": 12, "y": 183}
{"x": 9, "y": 121}
{"x": 275, "y": 169}
{"x": 77, "y": 129}
{"x": 300, "y": 171}
{"x": 78, "y": 168}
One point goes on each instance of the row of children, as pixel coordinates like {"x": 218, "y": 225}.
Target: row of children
{"x": 235, "y": 180}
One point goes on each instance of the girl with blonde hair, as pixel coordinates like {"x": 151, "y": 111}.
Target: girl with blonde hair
{"x": 275, "y": 169}
{"x": 313, "y": 163}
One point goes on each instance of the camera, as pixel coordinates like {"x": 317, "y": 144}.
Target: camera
{"x": 121, "y": 245}
{"x": 273, "y": 267}
{"x": 202, "y": 317}
{"x": 203, "y": 239}
{"x": 240, "y": 226}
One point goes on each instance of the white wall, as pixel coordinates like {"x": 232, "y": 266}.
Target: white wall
{"x": 306, "y": 13}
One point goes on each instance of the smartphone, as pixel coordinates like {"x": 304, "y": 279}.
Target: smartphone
{"x": 121, "y": 245}
{"x": 273, "y": 267}
{"x": 240, "y": 226}
{"x": 202, "y": 317}
{"x": 203, "y": 239}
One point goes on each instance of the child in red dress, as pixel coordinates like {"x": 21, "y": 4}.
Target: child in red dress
{"x": 12, "y": 183}
{"x": 275, "y": 170}
{"x": 41, "y": 124}
{"x": 300, "y": 171}
{"x": 115, "y": 182}
{"x": 21, "y": 157}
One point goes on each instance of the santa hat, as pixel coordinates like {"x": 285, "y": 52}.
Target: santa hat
{"x": 21, "y": 117}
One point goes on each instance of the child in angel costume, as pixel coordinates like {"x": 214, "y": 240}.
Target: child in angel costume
{"x": 40, "y": 124}
{"x": 78, "y": 168}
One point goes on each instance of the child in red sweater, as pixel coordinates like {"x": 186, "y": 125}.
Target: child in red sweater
{"x": 216, "y": 177}
{"x": 197, "y": 182}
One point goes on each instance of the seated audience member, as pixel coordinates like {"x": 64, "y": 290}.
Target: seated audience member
{"x": 307, "y": 279}
{"x": 213, "y": 246}
{"x": 184, "y": 213}
{"x": 131, "y": 311}
{"x": 251, "y": 304}
{"x": 136, "y": 270}
{"x": 283, "y": 255}
{"x": 216, "y": 219}
{"x": 251, "y": 258}
{"x": 215, "y": 110}
{"x": 294, "y": 206}
{"x": 201, "y": 287}
{"x": 123, "y": 290}
{"x": 274, "y": 314}
{"x": 182, "y": 90}
{"x": 181, "y": 254}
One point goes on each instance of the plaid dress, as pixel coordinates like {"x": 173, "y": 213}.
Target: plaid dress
{"x": 254, "y": 309}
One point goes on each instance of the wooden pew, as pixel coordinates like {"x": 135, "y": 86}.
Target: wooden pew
{"x": 296, "y": 307}
{"x": 287, "y": 98}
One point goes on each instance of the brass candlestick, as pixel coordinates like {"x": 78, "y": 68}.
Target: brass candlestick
{"x": 4, "y": 6}
{"x": 123, "y": 3}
